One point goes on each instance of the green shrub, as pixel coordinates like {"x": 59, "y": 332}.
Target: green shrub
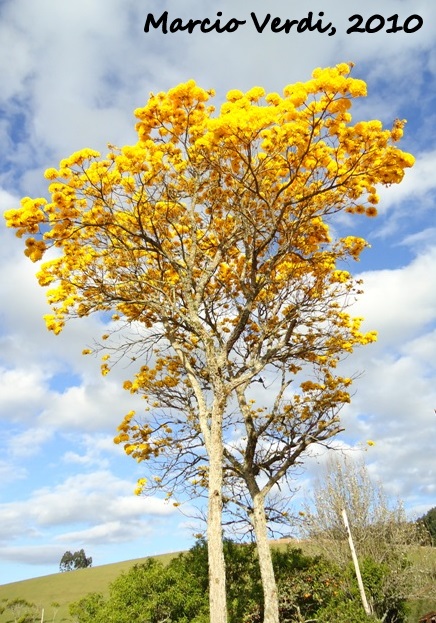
{"x": 87, "y": 609}
{"x": 147, "y": 593}
{"x": 345, "y": 611}
{"x": 386, "y": 600}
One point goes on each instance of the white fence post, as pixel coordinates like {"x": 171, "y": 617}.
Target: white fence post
{"x": 356, "y": 565}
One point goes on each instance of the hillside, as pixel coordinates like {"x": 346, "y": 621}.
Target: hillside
{"x": 64, "y": 588}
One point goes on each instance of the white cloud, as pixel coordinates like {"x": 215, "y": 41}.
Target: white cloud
{"x": 78, "y": 86}
{"x": 21, "y": 392}
{"x": 13, "y": 523}
{"x": 13, "y": 74}
{"x": 110, "y": 532}
{"x": 97, "y": 503}
{"x": 396, "y": 394}
{"x": 33, "y": 554}
{"x": 31, "y": 358}
{"x": 9, "y": 473}
{"x": 88, "y": 407}
{"x": 98, "y": 450}
{"x": 420, "y": 240}
{"x": 7, "y": 200}
{"x": 29, "y": 442}
{"x": 399, "y": 303}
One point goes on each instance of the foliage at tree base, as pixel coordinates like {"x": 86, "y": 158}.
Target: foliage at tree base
{"x": 311, "y": 588}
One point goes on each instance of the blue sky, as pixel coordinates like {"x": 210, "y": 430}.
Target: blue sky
{"x": 71, "y": 76}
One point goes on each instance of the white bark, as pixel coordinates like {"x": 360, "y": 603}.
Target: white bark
{"x": 270, "y": 594}
{"x": 217, "y": 570}
{"x": 213, "y": 439}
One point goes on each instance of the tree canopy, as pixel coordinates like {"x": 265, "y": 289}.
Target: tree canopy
{"x": 429, "y": 521}
{"x": 78, "y": 560}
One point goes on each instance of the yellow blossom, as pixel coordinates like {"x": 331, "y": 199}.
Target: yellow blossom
{"x": 209, "y": 237}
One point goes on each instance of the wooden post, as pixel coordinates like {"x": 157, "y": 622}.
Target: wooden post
{"x": 42, "y": 616}
{"x": 356, "y": 565}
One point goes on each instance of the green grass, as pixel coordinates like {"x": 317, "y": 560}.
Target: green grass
{"x": 65, "y": 588}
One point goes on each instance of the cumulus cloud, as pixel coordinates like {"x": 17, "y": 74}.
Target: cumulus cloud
{"x": 21, "y": 391}
{"x": 400, "y": 302}
{"x": 33, "y": 554}
{"x": 396, "y": 393}
{"x": 97, "y": 504}
{"x": 87, "y": 407}
{"x": 105, "y": 56}
{"x": 110, "y": 532}
{"x": 9, "y": 473}
{"x": 89, "y": 497}
{"x": 29, "y": 442}
{"x": 97, "y": 450}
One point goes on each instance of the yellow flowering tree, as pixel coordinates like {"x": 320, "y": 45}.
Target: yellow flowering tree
{"x": 210, "y": 239}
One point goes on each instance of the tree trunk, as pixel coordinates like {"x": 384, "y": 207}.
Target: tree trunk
{"x": 269, "y": 586}
{"x": 217, "y": 570}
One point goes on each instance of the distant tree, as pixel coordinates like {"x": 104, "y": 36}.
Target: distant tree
{"x": 81, "y": 561}
{"x": 71, "y": 562}
{"x": 66, "y": 563}
{"x": 429, "y": 522}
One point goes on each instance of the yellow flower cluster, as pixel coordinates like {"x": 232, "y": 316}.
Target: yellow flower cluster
{"x": 218, "y": 218}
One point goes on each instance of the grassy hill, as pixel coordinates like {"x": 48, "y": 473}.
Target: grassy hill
{"x": 65, "y": 588}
